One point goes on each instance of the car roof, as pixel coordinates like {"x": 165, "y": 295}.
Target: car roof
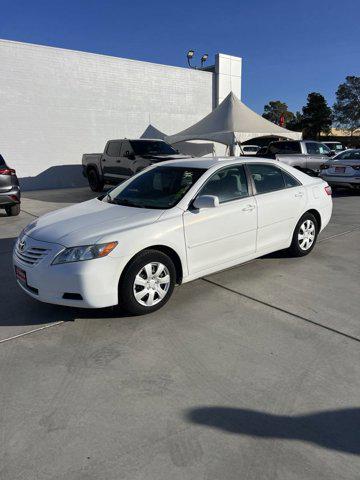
{"x": 208, "y": 162}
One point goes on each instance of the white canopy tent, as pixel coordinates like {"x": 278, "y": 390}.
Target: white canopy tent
{"x": 230, "y": 123}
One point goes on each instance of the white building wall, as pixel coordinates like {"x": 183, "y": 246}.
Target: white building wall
{"x": 57, "y": 104}
{"x": 228, "y": 76}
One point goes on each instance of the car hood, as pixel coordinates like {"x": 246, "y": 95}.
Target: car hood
{"x": 86, "y": 223}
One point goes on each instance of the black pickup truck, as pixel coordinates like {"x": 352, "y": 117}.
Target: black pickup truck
{"x": 123, "y": 158}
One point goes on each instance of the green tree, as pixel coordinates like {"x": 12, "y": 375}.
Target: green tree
{"x": 275, "y": 109}
{"x": 347, "y": 105}
{"x": 297, "y": 123}
{"x": 317, "y": 116}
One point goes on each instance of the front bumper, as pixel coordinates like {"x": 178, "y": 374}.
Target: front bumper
{"x": 96, "y": 281}
{"x": 11, "y": 197}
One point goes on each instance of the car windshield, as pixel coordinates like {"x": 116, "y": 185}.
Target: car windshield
{"x": 159, "y": 187}
{"x": 151, "y": 147}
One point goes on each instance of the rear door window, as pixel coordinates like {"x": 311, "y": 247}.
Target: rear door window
{"x": 267, "y": 178}
{"x": 290, "y": 181}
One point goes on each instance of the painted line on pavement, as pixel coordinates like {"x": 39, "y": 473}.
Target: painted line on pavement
{"x": 30, "y": 331}
{"x": 283, "y": 310}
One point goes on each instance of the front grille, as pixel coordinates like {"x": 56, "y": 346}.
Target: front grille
{"x": 32, "y": 255}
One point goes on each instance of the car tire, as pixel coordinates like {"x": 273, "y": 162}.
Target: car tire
{"x": 95, "y": 182}
{"x": 13, "y": 210}
{"x": 305, "y": 236}
{"x": 147, "y": 282}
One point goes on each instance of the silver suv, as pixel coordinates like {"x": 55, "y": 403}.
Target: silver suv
{"x": 9, "y": 189}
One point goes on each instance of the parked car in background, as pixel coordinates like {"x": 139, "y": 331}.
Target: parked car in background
{"x": 305, "y": 155}
{"x": 123, "y": 158}
{"x": 343, "y": 170}
{"x": 170, "y": 224}
{"x": 9, "y": 189}
{"x": 250, "y": 149}
{"x": 335, "y": 147}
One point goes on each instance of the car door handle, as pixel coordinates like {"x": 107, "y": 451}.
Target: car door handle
{"x": 248, "y": 208}
{"x": 299, "y": 194}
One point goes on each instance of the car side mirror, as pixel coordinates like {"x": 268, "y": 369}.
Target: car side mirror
{"x": 206, "y": 201}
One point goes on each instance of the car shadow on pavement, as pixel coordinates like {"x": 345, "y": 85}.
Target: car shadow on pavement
{"x": 332, "y": 429}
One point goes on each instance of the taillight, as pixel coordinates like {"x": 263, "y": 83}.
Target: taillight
{"x": 328, "y": 190}
{"x": 324, "y": 166}
{"x": 7, "y": 171}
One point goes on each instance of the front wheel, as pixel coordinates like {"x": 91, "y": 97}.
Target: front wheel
{"x": 147, "y": 283}
{"x": 305, "y": 236}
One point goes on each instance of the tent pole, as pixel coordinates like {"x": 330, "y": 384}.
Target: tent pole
{"x": 232, "y": 150}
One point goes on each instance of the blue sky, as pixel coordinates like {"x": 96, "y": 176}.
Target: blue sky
{"x": 289, "y": 48}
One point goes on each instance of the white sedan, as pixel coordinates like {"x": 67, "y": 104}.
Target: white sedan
{"x": 170, "y": 224}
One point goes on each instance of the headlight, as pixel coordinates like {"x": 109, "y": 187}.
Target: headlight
{"x": 86, "y": 252}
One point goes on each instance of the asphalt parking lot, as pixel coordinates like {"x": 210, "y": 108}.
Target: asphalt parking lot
{"x": 251, "y": 373}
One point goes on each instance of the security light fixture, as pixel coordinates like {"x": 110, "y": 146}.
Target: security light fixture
{"x": 190, "y": 55}
{"x": 204, "y": 58}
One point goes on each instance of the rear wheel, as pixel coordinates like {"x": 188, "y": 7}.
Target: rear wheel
{"x": 13, "y": 210}
{"x": 147, "y": 283}
{"x": 95, "y": 182}
{"x": 305, "y": 236}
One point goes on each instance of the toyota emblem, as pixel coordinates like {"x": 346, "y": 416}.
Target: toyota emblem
{"x": 22, "y": 245}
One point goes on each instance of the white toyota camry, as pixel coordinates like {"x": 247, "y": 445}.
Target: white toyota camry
{"x": 170, "y": 224}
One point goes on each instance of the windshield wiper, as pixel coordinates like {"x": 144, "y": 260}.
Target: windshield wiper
{"x": 127, "y": 203}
